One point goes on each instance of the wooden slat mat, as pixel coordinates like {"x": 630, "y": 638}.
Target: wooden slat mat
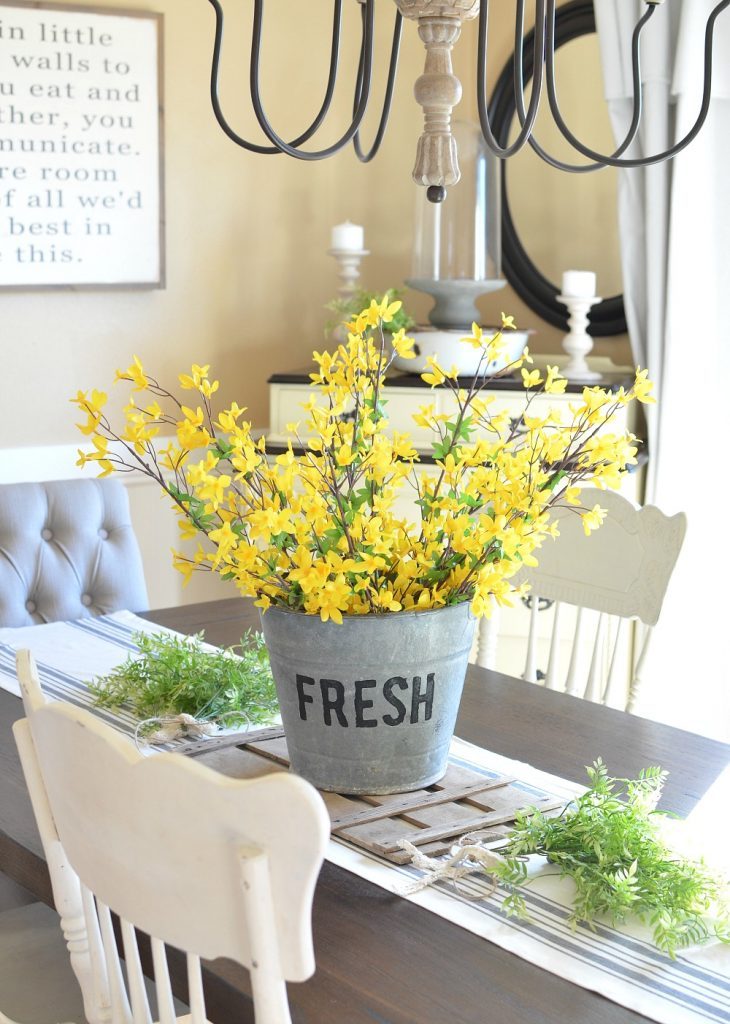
{"x": 463, "y": 801}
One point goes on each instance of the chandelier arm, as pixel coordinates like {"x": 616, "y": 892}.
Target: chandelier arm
{"x": 561, "y": 165}
{"x": 538, "y": 71}
{"x": 655, "y": 158}
{"x": 387, "y": 103}
{"x": 252, "y": 147}
{"x": 278, "y": 142}
{"x": 519, "y": 76}
{"x": 331, "y": 78}
{"x": 215, "y": 68}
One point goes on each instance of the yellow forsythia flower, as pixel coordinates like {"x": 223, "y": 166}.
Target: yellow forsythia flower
{"x": 319, "y": 526}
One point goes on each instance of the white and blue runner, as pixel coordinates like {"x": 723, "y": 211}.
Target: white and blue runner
{"x": 621, "y": 964}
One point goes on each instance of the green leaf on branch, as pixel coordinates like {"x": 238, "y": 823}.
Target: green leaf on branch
{"x": 221, "y": 449}
{"x": 441, "y": 449}
{"x": 554, "y": 480}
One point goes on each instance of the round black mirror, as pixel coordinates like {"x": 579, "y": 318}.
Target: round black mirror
{"x": 607, "y": 318}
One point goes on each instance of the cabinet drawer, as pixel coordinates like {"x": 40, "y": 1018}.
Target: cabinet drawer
{"x": 286, "y": 402}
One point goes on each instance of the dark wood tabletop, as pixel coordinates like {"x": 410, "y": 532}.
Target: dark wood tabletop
{"x": 381, "y": 959}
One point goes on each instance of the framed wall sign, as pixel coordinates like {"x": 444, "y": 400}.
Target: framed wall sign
{"x": 81, "y": 172}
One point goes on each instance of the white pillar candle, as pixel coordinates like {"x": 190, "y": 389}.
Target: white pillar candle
{"x": 348, "y": 237}
{"x": 579, "y": 284}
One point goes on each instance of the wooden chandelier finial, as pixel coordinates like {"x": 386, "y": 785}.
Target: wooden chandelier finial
{"x": 438, "y": 90}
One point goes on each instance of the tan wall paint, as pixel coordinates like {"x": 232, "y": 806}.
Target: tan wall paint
{"x": 247, "y": 236}
{"x": 247, "y": 269}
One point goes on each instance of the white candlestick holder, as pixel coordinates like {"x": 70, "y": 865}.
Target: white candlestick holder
{"x": 578, "y": 343}
{"x": 349, "y": 268}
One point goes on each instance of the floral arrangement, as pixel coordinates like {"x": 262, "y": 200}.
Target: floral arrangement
{"x": 316, "y": 528}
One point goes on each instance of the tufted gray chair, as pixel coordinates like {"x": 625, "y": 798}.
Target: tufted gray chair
{"x": 67, "y": 551}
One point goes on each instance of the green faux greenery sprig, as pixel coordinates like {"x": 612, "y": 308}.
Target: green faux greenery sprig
{"x": 608, "y": 842}
{"x": 348, "y": 308}
{"x": 175, "y": 675}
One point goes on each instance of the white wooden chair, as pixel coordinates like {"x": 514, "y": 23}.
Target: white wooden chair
{"x": 621, "y": 571}
{"x": 214, "y": 866}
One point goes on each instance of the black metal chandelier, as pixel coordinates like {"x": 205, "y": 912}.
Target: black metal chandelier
{"x": 438, "y": 90}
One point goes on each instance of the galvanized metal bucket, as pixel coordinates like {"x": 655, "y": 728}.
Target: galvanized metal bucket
{"x": 369, "y": 706}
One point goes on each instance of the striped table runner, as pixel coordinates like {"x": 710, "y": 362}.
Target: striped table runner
{"x": 69, "y": 655}
{"x": 620, "y": 963}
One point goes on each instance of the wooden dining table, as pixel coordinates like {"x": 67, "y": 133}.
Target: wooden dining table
{"x": 380, "y": 958}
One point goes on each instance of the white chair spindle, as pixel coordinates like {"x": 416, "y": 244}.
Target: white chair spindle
{"x": 530, "y": 673}
{"x": 64, "y": 881}
{"x": 196, "y": 999}
{"x": 135, "y": 978}
{"x": 122, "y": 1011}
{"x": 571, "y": 680}
{"x": 637, "y": 675}
{"x": 163, "y": 989}
{"x": 267, "y": 981}
{"x": 551, "y": 678}
{"x": 593, "y": 684}
{"x": 102, "y": 1004}
{"x": 486, "y": 637}
{"x": 614, "y": 671}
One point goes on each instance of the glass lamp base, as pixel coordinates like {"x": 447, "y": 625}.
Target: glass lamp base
{"x": 455, "y": 308}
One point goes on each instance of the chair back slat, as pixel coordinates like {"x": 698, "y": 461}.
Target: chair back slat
{"x": 572, "y": 686}
{"x": 551, "y": 677}
{"x": 135, "y": 978}
{"x": 613, "y": 679}
{"x": 64, "y": 880}
{"x": 163, "y": 990}
{"x": 121, "y": 1010}
{"x": 530, "y": 673}
{"x": 266, "y": 980}
{"x": 593, "y": 686}
{"x": 196, "y": 999}
{"x": 637, "y": 675}
{"x": 101, "y": 995}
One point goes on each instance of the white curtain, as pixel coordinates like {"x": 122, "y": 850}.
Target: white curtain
{"x": 674, "y": 222}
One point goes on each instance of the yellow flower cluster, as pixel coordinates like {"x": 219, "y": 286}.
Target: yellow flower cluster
{"x": 316, "y": 528}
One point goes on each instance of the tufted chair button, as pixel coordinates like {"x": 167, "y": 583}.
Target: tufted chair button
{"x": 30, "y": 606}
{"x": 86, "y": 600}
{"x": 47, "y": 534}
{"x": 104, "y": 534}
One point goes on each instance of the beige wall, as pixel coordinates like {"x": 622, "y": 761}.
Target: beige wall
{"x": 247, "y": 269}
{"x": 247, "y": 236}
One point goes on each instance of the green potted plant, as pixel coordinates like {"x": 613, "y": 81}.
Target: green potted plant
{"x": 368, "y": 615}
{"x": 348, "y": 307}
